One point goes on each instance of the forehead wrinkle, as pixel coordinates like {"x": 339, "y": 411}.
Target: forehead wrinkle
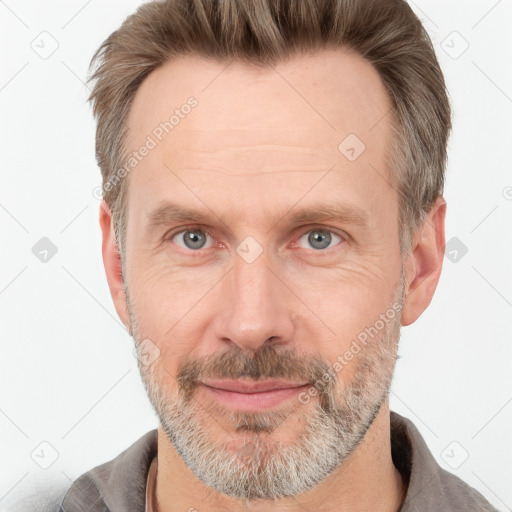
{"x": 246, "y": 159}
{"x": 245, "y": 174}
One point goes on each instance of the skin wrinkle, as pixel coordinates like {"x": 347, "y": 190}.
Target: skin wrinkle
{"x": 257, "y": 174}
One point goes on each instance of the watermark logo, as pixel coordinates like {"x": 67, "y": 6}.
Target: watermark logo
{"x": 454, "y": 45}
{"x": 44, "y": 455}
{"x": 455, "y": 455}
{"x": 147, "y": 352}
{"x": 455, "y": 249}
{"x": 44, "y": 250}
{"x": 351, "y": 147}
{"x": 45, "y": 45}
{"x": 249, "y": 249}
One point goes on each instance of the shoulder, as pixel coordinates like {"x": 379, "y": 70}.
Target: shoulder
{"x": 458, "y": 493}
{"x": 119, "y": 484}
{"x": 430, "y": 487}
{"x": 83, "y": 493}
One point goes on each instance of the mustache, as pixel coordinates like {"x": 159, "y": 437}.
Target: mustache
{"x": 266, "y": 362}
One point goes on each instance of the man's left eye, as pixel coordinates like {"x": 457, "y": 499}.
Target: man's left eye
{"x": 319, "y": 239}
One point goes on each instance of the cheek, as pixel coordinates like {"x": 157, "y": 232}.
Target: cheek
{"x": 347, "y": 298}
{"x": 164, "y": 299}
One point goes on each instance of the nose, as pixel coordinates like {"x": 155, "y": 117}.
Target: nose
{"x": 255, "y": 307}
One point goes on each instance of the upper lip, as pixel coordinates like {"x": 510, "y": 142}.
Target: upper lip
{"x": 251, "y": 386}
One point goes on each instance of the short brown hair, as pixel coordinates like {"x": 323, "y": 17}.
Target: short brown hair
{"x": 385, "y": 32}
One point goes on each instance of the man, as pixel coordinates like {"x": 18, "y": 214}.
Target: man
{"x": 273, "y": 212}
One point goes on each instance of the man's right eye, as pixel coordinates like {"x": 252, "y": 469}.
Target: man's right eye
{"x": 192, "y": 239}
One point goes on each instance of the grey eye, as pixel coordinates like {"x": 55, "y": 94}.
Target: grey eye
{"x": 193, "y": 239}
{"x": 319, "y": 239}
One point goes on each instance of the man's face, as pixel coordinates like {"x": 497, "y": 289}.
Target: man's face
{"x": 293, "y": 254}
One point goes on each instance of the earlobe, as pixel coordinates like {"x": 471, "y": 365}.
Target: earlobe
{"x": 424, "y": 263}
{"x": 112, "y": 262}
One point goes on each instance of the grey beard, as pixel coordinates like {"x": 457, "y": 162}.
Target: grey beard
{"x": 253, "y": 465}
{"x": 263, "y": 468}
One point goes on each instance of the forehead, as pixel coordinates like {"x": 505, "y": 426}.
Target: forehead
{"x": 299, "y": 118}
{"x": 331, "y": 91}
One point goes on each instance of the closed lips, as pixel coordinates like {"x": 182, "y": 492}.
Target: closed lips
{"x": 245, "y": 386}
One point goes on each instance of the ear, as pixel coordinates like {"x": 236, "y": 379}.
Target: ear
{"x": 112, "y": 263}
{"x": 424, "y": 263}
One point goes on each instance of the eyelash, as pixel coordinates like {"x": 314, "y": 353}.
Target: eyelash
{"x": 169, "y": 236}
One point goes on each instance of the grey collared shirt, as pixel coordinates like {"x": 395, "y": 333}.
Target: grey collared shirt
{"x": 120, "y": 485}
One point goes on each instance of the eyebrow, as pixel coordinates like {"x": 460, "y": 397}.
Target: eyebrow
{"x": 169, "y": 213}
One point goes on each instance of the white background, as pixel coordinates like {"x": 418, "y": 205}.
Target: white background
{"x": 68, "y": 374}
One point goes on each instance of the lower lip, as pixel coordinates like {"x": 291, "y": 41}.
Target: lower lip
{"x": 253, "y": 402}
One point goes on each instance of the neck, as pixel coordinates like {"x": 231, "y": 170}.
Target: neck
{"x": 366, "y": 481}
